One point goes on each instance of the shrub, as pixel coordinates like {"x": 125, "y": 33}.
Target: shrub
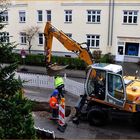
{"x": 107, "y": 58}
{"x": 97, "y": 55}
{"x": 73, "y": 63}
{"x": 39, "y": 60}
{"x": 33, "y": 59}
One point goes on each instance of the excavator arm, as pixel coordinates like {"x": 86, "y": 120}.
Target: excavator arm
{"x": 71, "y": 45}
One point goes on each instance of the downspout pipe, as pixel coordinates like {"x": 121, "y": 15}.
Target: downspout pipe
{"x": 112, "y": 23}
{"x": 109, "y": 15}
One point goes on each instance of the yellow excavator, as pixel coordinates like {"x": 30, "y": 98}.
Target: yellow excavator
{"x": 108, "y": 93}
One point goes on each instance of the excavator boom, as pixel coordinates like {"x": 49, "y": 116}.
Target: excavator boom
{"x": 71, "y": 45}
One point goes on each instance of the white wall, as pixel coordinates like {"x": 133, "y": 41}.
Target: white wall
{"x": 79, "y": 28}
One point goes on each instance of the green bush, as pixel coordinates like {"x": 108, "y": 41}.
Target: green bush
{"x": 39, "y": 60}
{"x": 33, "y": 59}
{"x": 17, "y": 121}
{"x": 97, "y": 55}
{"x": 107, "y": 58}
{"x": 73, "y": 63}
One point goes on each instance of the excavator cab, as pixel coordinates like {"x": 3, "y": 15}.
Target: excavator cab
{"x": 108, "y": 85}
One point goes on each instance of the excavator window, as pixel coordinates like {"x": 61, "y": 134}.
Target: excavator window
{"x": 96, "y": 86}
{"x": 115, "y": 86}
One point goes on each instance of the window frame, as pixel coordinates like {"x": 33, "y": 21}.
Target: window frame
{"x": 5, "y": 17}
{"x": 93, "y": 15}
{"x": 115, "y": 87}
{"x": 48, "y": 15}
{"x": 23, "y": 38}
{"x": 39, "y": 16}
{"x": 127, "y": 14}
{"x": 42, "y": 39}
{"x": 22, "y": 16}
{"x": 68, "y": 16}
{"x": 92, "y": 41}
{"x": 5, "y": 37}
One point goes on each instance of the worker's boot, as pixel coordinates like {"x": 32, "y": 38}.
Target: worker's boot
{"x": 75, "y": 120}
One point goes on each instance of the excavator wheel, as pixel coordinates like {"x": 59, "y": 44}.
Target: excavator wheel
{"x": 136, "y": 120}
{"x": 96, "y": 116}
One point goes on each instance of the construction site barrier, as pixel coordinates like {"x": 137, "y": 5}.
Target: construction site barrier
{"x": 61, "y": 122}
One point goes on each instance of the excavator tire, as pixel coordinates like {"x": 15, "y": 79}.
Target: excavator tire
{"x": 136, "y": 120}
{"x": 97, "y": 117}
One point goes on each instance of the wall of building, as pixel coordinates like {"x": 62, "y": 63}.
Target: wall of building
{"x": 111, "y": 28}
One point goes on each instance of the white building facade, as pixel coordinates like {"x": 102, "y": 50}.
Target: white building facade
{"x": 112, "y": 26}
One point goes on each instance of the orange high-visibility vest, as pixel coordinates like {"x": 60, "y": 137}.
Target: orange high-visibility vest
{"x": 53, "y": 102}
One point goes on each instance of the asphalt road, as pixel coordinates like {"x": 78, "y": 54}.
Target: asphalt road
{"x": 118, "y": 129}
{"x": 130, "y": 68}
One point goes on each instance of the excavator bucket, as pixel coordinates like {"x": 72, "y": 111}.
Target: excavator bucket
{"x": 55, "y": 69}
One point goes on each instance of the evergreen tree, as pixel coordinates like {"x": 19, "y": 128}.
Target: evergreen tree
{"x": 15, "y": 111}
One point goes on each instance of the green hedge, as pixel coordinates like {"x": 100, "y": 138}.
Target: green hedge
{"x": 39, "y": 60}
{"x": 34, "y": 59}
{"x": 107, "y": 58}
{"x": 73, "y": 63}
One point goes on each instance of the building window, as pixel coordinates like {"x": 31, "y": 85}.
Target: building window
{"x": 131, "y": 49}
{"x": 93, "y": 41}
{"x": 22, "y": 16}
{"x": 68, "y": 16}
{"x": 93, "y": 16}
{"x": 130, "y": 17}
{"x": 48, "y": 13}
{"x": 69, "y": 35}
{"x": 40, "y": 15}
{"x": 4, "y": 37}
{"x": 23, "y": 38}
{"x": 40, "y": 38}
{"x": 4, "y": 16}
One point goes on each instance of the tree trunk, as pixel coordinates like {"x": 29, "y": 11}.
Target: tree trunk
{"x": 30, "y": 46}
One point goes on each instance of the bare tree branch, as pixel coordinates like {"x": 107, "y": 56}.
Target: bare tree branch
{"x": 30, "y": 33}
{"x": 4, "y": 4}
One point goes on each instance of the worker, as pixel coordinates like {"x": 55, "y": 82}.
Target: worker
{"x": 101, "y": 79}
{"x": 100, "y": 86}
{"x": 59, "y": 85}
{"x": 54, "y": 103}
